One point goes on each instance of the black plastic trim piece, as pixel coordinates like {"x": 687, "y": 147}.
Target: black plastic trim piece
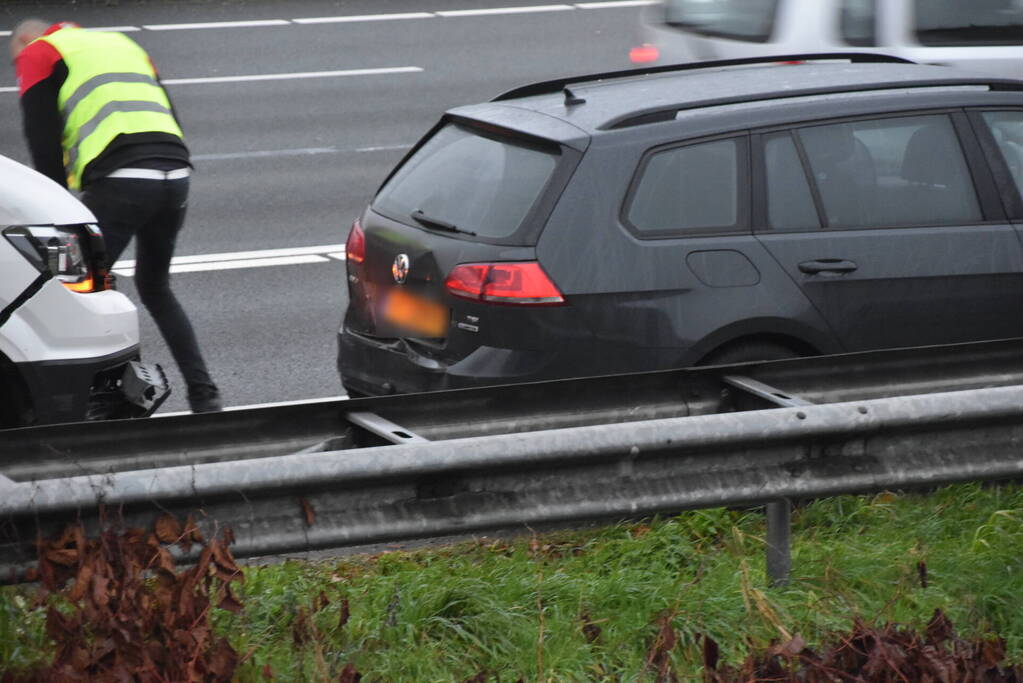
{"x": 668, "y": 112}
{"x": 559, "y": 84}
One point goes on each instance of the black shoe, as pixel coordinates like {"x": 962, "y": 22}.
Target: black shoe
{"x": 205, "y": 400}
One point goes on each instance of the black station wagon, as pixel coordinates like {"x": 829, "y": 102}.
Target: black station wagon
{"x": 705, "y": 213}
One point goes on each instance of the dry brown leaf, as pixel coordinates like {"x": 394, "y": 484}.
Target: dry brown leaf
{"x": 168, "y": 529}
{"x": 65, "y": 557}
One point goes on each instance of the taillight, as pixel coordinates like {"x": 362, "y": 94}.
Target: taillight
{"x": 522, "y": 283}
{"x": 355, "y": 247}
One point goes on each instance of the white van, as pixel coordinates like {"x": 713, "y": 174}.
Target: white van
{"x": 982, "y": 35}
{"x": 69, "y": 345}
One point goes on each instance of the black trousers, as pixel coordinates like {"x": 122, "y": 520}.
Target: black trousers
{"x": 153, "y": 212}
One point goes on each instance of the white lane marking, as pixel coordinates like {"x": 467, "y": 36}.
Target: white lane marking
{"x": 381, "y": 148}
{"x": 217, "y": 24}
{"x": 235, "y": 265}
{"x": 611, "y": 4}
{"x": 263, "y": 258}
{"x": 365, "y": 17}
{"x": 119, "y": 29}
{"x": 240, "y": 255}
{"x": 308, "y": 401}
{"x": 307, "y": 151}
{"x": 299, "y": 151}
{"x": 9, "y": 88}
{"x": 502, "y": 10}
{"x": 299, "y": 74}
{"x": 607, "y": 4}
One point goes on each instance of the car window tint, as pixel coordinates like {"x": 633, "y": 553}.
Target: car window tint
{"x": 789, "y": 200}
{"x": 751, "y": 20}
{"x": 895, "y": 171}
{"x": 477, "y": 183}
{"x": 688, "y": 188}
{"x": 857, "y": 22}
{"x": 972, "y": 22}
{"x": 1007, "y": 128}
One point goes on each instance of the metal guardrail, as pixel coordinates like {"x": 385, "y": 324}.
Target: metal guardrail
{"x": 602, "y": 456}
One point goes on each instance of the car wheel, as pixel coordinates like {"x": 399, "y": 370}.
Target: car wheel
{"x": 749, "y": 351}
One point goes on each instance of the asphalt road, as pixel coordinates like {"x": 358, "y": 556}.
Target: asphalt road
{"x": 287, "y": 160}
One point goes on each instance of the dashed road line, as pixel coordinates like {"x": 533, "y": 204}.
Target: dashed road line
{"x": 257, "y": 23}
{"x": 288, "y": 256}
{"x": 294, "y": 75}
{"x": 614, "y": 4}
{"x": 299, "y": 151}
{"x": 503, "y": 10}
{"x": 119, "y": 29}
{"x": 276, "y": 404}
{"x": 394, "y": 16}
{"x": 252, "y": 78}
{"x": 365, "y": 17}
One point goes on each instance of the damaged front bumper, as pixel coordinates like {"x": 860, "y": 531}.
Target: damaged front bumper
{"x": 109, "y": 387}
{"x": 135, "y": 389}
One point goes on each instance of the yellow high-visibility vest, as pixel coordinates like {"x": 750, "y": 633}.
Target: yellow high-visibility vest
{"x": 111, "y": 89}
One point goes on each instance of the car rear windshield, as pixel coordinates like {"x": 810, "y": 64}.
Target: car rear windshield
{"x": 470, "y": 181}
{"x": 976, "y": 22}
{"x": 751, "y": 20}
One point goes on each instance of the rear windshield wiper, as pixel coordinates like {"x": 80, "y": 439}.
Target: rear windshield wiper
{"x": 437, "y": 223}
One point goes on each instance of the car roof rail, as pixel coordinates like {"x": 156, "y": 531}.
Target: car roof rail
{"x": 559, "y": 84}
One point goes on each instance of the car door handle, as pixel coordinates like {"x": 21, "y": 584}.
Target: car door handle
{"x": 827, "y": 265}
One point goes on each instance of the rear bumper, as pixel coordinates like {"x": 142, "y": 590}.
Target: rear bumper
{"x": 381, "y": 368}
{"x": 111, "y": 386}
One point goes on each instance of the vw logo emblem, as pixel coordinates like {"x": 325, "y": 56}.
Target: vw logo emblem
{"x": 400, "y": 268}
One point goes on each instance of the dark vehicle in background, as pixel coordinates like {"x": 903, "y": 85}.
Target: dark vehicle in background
{"x": 686, "y": 215}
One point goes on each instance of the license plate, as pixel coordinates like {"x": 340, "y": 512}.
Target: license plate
{"x": 415, "y": 314}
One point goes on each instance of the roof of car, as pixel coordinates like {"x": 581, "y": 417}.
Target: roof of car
{"x": 610, "y": 101}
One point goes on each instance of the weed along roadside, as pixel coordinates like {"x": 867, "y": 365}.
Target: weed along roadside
{"x": 896, "y": 586}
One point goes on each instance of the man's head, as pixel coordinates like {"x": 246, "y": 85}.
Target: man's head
{"x": 24, "y": 33}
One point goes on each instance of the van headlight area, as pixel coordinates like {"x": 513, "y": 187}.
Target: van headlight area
{"x": 69, "y": 344}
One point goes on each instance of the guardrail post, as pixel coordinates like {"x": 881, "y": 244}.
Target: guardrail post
{"x": 779, "y": 532}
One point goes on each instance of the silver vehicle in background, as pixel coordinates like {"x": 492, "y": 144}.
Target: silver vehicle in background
{"x": 982, "y": 35}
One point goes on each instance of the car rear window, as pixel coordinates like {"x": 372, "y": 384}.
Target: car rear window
{"x": 977, "y": 22}
{"x": 751, "y": 20}
{"x": 475, "y": 182}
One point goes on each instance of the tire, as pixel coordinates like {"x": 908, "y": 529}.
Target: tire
{"x": 749, "y": 351}
{"x": 13, "y": 409}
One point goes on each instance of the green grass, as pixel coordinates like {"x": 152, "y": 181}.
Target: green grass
{"x": 518, "y": 608}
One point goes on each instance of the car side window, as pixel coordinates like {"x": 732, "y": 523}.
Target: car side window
{"x": 1007, "y": 129}
{"x": 858, "y": 22}
{"x": 691, "y": 188}
{"x": 789, "y": 199}
{"x": 907, "y": 170}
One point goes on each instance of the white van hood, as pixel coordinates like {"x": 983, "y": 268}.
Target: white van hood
{"x": 30, "y": 198}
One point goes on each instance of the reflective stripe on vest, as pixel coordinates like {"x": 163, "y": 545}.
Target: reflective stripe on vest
{"x": 98, "y": 103}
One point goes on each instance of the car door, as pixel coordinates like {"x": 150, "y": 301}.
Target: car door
{"x": 892, "y": 228}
